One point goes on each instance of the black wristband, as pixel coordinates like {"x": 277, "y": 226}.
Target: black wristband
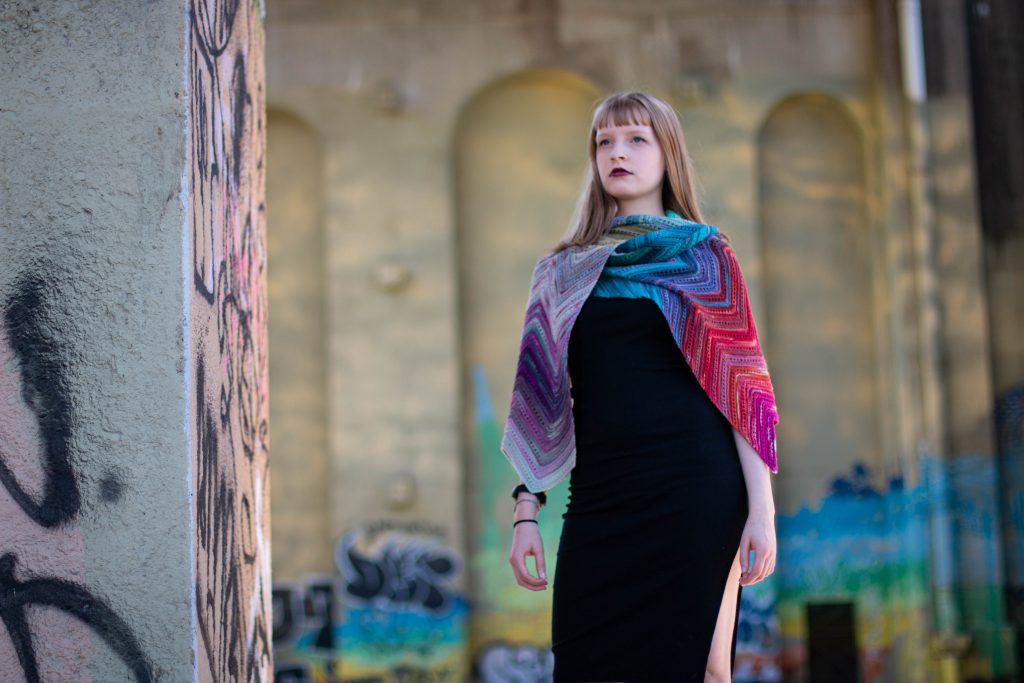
{"x": 542, "y": 497}
{"x": 525, "y": 520}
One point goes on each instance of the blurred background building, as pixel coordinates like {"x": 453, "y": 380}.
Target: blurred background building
{"x": 861, "y": 156}
{"x": 290, "y": 242}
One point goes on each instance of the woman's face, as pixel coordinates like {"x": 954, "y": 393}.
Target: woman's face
{"x": 635, "y": 150}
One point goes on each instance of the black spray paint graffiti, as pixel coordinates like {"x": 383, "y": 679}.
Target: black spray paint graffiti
{"x": 306, "y": 613}
{"x": 507, "y": 663}
{"x": 220, "y": 601}
{"x": 44, "y": 391}
{"x": 292, "y": 672}
{"x": 229, "y": 337}
{"x": 16, "y": 596}
{"x": 403, "y": 572}
{"x": 43, "y": 382}
{"x": 299, "y": 610}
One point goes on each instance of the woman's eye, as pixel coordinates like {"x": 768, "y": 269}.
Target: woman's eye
{"x": 637, "y": 137}
{"x": 601, "y": 142}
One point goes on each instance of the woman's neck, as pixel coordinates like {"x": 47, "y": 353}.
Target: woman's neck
{"x": 644, "y": 205}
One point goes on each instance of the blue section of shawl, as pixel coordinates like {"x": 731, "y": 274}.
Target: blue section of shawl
{"x": 635, "y": 261}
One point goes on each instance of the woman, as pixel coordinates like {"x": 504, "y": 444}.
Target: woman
{"x": 667, "y": 431}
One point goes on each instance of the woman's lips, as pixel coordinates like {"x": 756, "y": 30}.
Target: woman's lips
{"x": 619, "y": 171}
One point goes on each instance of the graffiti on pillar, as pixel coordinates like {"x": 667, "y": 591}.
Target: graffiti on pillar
{"x": 403, "y": 618}
{"x": 227, "y": 331}
{"x": 17, "y": 595}
{"x": 40, "y": 512}
{"x": 40, "y": 362}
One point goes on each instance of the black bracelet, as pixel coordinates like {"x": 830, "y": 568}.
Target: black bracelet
{"x": 525, "y": 520}
{"x": 542, "y": 497}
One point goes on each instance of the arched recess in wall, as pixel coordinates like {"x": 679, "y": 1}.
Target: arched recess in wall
{"x": 520, "y": 150}
{"x": 819, "y": 334}
{"x": 295, "y": 289}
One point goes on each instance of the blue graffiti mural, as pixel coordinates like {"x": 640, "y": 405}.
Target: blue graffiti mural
{"x": 902, "y": 555}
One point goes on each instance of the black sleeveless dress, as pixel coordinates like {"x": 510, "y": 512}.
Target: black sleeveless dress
{"x": 657, "y": 505}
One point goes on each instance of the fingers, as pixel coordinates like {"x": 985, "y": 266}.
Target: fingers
{"x": 752, "y": 567}
{"x": 757, "y": 572}
{"x": 539, "y": 558}
{"x": 522, "y": 573}
{"x": 761, "y": 568}
{"x": 771, "y": 566}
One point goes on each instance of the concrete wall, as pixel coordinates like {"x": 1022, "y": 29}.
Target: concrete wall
{"x": 95, "y": 466}
{"x": 132, "y": 344}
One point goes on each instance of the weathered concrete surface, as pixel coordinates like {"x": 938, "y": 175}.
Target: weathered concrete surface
{"x": 94, "y": 105}
{"x": 133, "y": 435}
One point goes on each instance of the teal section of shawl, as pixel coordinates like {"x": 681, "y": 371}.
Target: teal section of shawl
{"x": 658, "y": 249}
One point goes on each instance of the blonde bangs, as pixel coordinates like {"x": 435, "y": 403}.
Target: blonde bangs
{"x": 621, "y": 112}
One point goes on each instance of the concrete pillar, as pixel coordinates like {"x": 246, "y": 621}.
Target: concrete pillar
{"x": 134, "y": 541}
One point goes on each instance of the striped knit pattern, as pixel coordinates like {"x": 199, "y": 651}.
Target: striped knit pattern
{"x": 694, "y": 277}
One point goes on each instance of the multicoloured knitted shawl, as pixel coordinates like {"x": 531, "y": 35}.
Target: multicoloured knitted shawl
{"x": 693, "y": 275}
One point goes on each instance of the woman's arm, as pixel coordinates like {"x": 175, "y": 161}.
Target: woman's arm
{"x": 526, "y": 541}
{"x": 759, "y": 533}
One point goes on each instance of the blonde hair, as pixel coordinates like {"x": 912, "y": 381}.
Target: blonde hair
{"x": 595, "y": 208}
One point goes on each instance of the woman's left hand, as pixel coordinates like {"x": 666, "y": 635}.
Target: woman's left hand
{"x": 759, "y": 536}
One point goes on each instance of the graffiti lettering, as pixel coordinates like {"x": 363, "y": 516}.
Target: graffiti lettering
{"x": 304, "y": 628}
{"x": 413, "y": 573}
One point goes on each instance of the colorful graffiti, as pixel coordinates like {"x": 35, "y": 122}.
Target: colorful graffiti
{"x": 228, "y": 323}
{"x": 866, "y": 546}
{"x": 305, "y": 644}
{"x": 895, "y": 552}
{"x": 403, "y": 618}
{"x": 392, "y": 614}
{"x": 43, "y": 502}
{"x": 757, "y": 634}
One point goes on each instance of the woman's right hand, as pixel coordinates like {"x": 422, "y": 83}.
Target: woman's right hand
{"x": 526, "y": 541}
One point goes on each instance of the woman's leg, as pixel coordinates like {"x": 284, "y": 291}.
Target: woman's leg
{"x": 719, "y": 668}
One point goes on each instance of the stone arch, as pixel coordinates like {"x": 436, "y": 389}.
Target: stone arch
{"x": 819, "y": 333}
{"x": 519, "y": 154}
{"x": 295, "y": 289}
